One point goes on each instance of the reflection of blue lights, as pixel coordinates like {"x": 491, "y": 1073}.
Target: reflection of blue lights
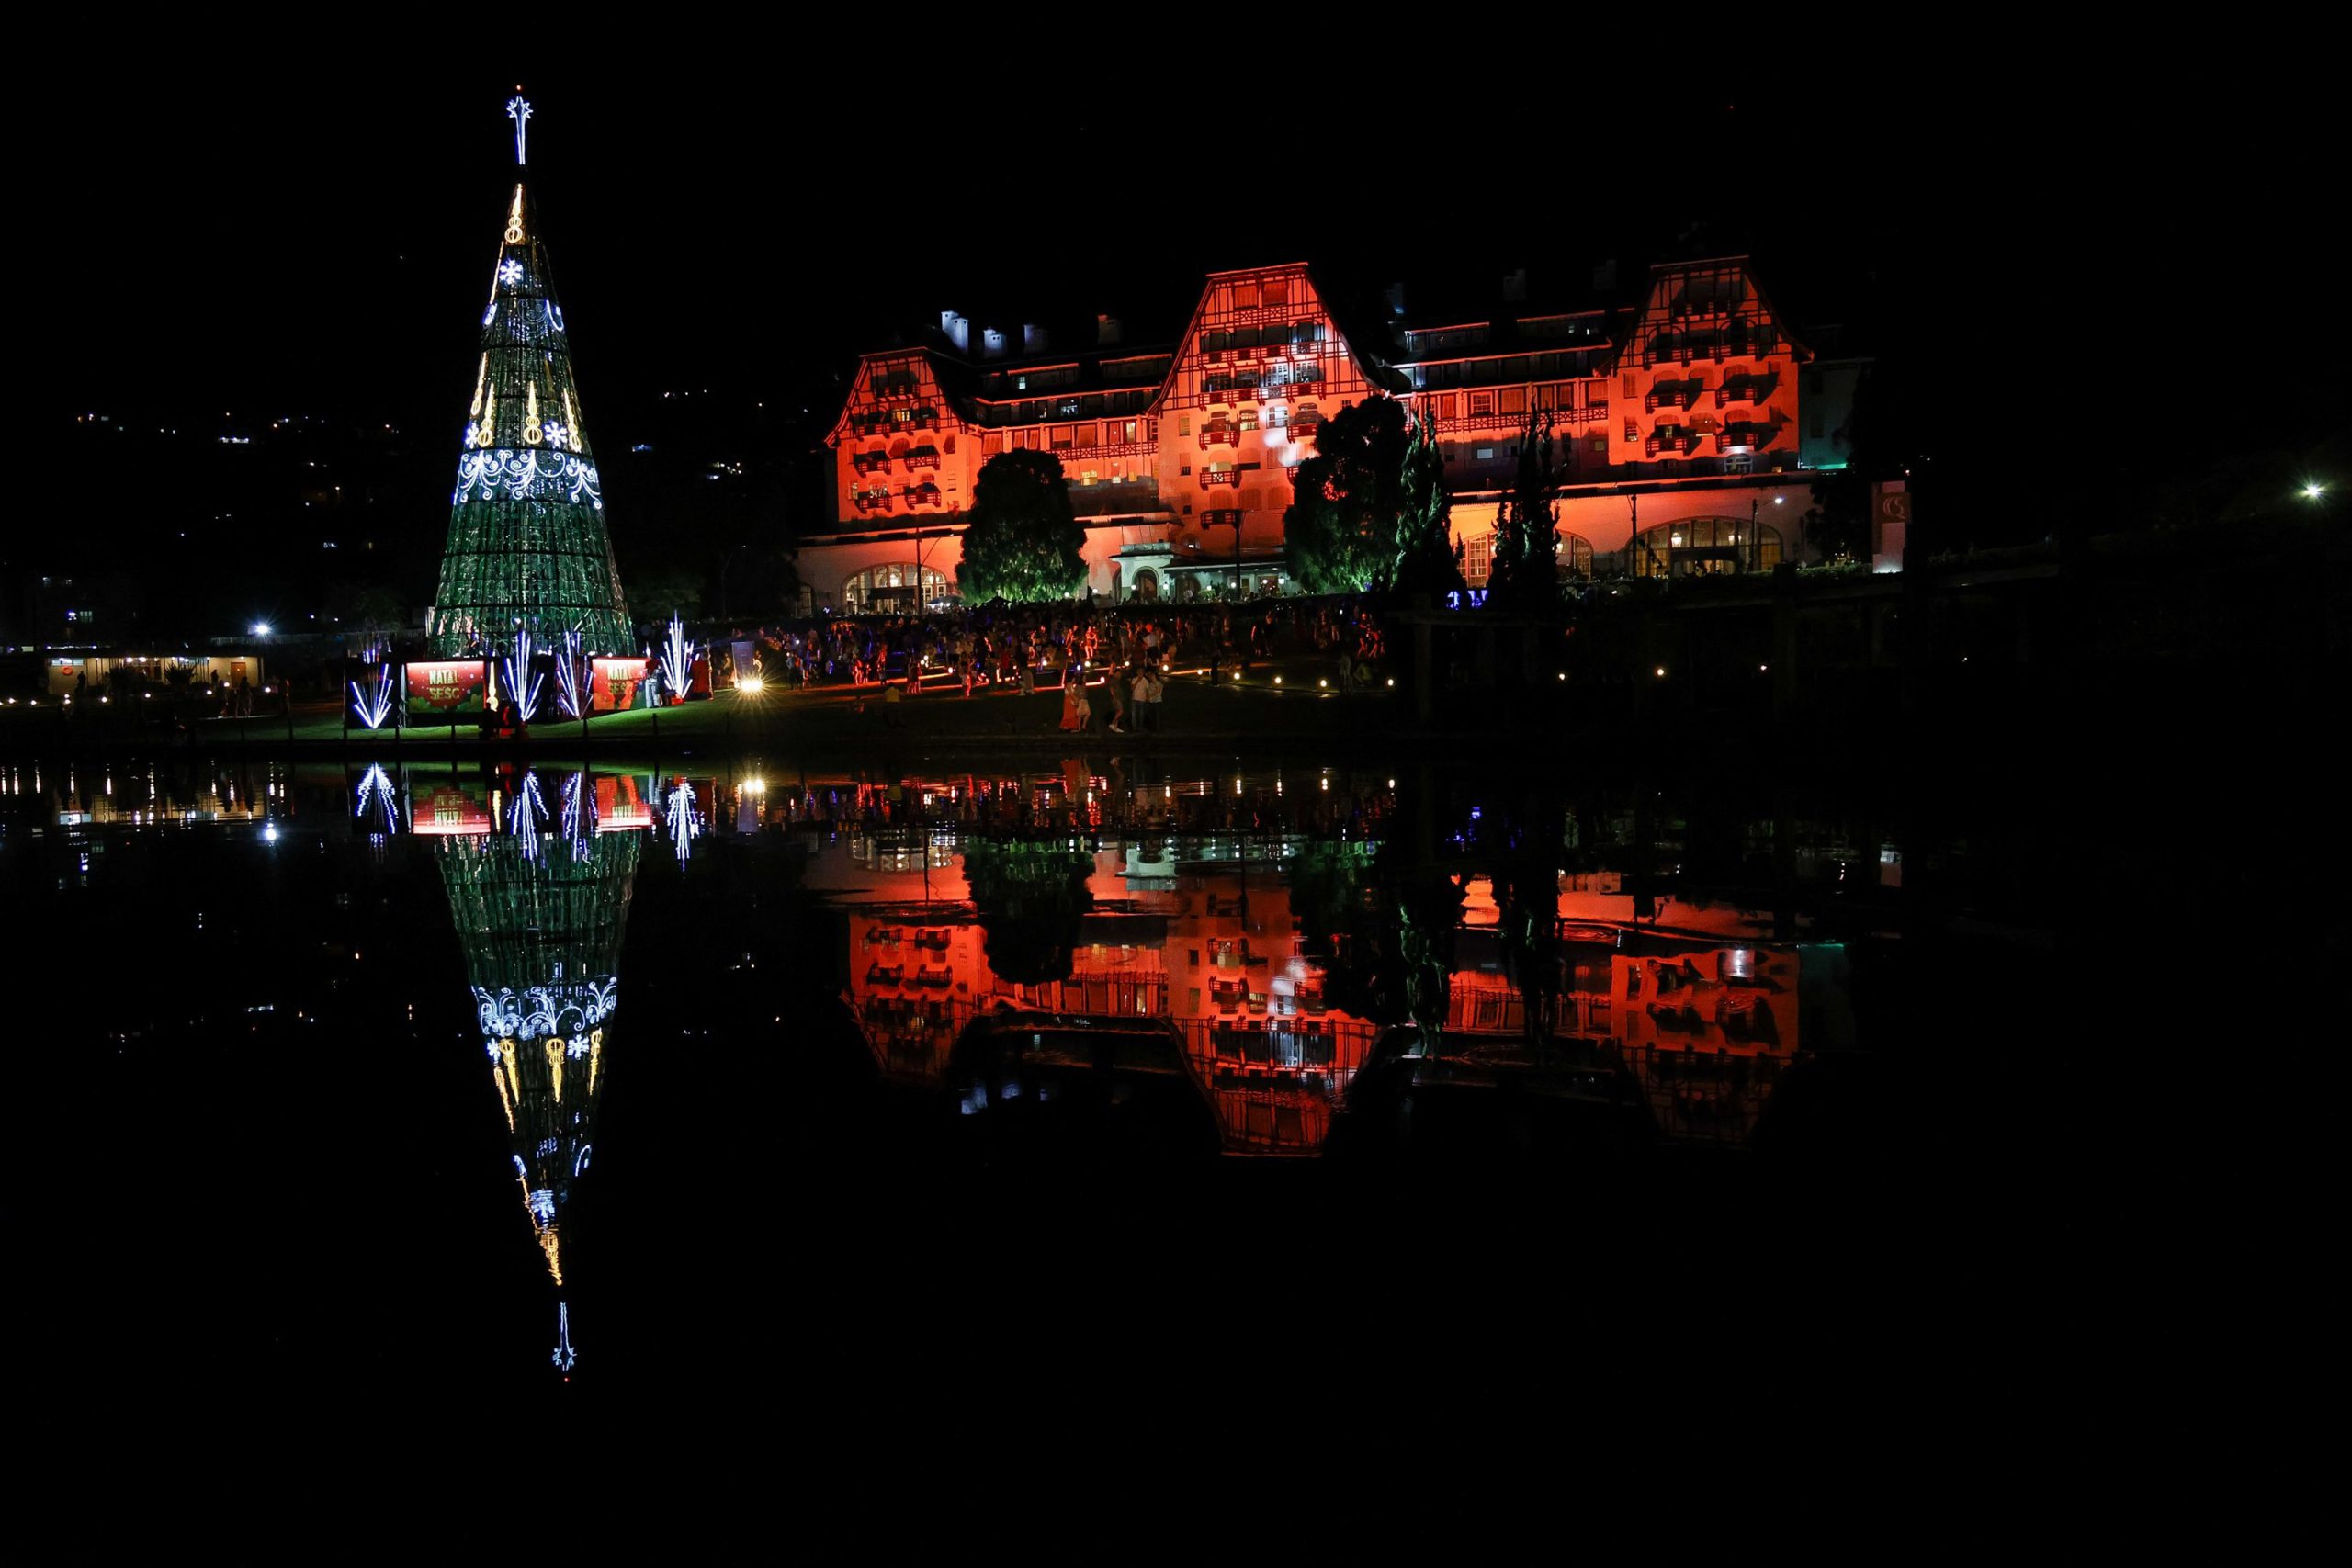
{"x": 565, "y": 1359}
{"x": 375, "y": 789}
{"x": 580, "y": 1160}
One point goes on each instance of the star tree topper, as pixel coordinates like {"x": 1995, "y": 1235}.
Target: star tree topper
{"x": 518, "y": 109}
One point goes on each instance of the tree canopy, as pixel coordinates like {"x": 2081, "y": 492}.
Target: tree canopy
{"x": 1423, "y": 540}
{"x": 1340, "y": 532}
{"x": 1525, "y": 573}
{"x": 1030, "y": 899}
{"x": 1020, "y": 539}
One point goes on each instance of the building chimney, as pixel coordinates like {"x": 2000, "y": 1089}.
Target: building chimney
{"x": 1515, "y": 288}
{"x": 1032, "y": 338}
{"x": 958, "y": 329}
{"x": 991, "y": 344}
{"x": 1106, "y": 331}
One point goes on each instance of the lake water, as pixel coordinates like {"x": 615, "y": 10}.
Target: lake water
{"x": 561, "y": 1079}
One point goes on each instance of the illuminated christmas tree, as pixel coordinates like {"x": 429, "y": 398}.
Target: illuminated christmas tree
{"x": 540, "y": 902}
{"x": 527, "y": 547}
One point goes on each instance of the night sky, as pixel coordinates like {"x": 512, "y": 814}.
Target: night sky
{"x": 713, "y": 235}
{"x": 250, "y": 245}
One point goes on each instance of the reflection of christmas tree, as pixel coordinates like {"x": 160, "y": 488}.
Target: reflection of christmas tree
{"x": 527, "y": 541}
{"x": 540, "y": 919}
{"x": 1030, "y": 899}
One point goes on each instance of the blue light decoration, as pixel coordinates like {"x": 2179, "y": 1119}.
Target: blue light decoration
{"x": 530, "y": 811}
{"x": 574, "y": 683}
{"x": 510, "y": 272}
{"x": 677, "y": 658}
{"x": 376, "y": 791}
{"x": 1465, "y": 598}
{"x": 518, "y": 109}
{"x": 565, "y": 1357}
{"x": 518, "y": 667}
{"x": 374, "y": 707}
{"x": 579, "y": 812}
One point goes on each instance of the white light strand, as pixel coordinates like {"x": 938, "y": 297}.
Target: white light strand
{"x": 578, "y": 811}
{"x": 374, "y": 707}
{"x": 684, "y": 823}
{"x": 575, "y": 683}
{"x": 524, "y": 476}
{"x": 677, "y": 658}
{"x": 530, "y": 811}
{"x": 376, "y": 791}
{"x": 518, "y": 109}
{"x": 525, "y": 686}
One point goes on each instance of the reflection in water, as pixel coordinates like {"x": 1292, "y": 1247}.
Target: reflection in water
{"x": 1276, "y": 1011}
{"x": 540, "y": 916}
{"x": 1263, "y": 952}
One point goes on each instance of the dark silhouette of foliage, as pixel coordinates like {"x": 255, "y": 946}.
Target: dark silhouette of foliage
{"x": 1424, "y": 537}
{"x": 1030, "y": 899}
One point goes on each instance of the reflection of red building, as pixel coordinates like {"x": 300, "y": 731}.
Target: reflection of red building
{"x": 1675, "y": 418}
{"x": 1705, "y": 1030}
{"x": 1272, "y": 1057}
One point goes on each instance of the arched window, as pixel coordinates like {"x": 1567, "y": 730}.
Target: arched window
{"x": 1705, "y": 545}
{"x": 1575, "y": 555}
{"x": 890, "y": 589}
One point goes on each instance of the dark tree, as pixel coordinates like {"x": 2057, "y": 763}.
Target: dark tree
{"x": 1344, "y": 919}
{"x": 1339, "y": 534}
{"x": 1020, "y": 540}
{"x": 1424, "y": 536}
{"x": 1030, "y": 899}
{"x": 1526, "y": 571}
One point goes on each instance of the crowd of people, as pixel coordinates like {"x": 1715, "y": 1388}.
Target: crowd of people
{"x": 1072, "y": 799}
{"x": 1111, "y": 664}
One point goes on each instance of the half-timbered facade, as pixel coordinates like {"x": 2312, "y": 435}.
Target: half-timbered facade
{"x": 1675, "y": 416}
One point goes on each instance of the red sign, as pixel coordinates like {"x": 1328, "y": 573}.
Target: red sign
{"x": 447, "y": 686}
{"x": 617, "y": 681}
{"x": 448, "y": 809}
{"x": 619, "y": 807}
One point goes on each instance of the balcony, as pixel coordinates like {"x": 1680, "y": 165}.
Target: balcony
{"x": 1744, "y": 390}
{"x": 1212, "y": 478}
{"x": 1673, "y": 442}
{"x": 1671, "y": 395}
{"x": 1217, "y": 432}
{"x": 924, "y": 495}
{"x": 1304, "y": 427}
{"x": 1744, "y": 437}
{"x": 925, "y": 456}
{"x": 905, "y": 421}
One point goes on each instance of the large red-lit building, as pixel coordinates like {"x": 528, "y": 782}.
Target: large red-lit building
{"x": 1685, "y": 420}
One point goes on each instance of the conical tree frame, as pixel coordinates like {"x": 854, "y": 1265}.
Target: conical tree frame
{"x": 528, "y": 546}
